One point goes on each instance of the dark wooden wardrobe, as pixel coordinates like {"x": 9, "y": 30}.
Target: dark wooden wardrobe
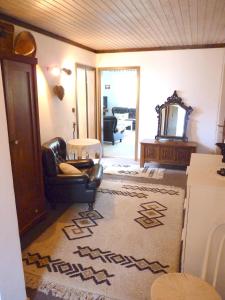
{"x": 20, "y": 91}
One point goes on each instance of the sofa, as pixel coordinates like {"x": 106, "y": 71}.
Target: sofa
{"x": 111, "y": 131}
{"x": 128, "y": 113}
{"x": 61, "y": 187}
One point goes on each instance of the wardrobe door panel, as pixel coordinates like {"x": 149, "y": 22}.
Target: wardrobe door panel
{"x": 23, "y": 130}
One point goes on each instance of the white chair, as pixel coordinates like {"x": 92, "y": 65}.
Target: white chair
{"x": 183, "y": 286}
{"x": 212, "y": 268}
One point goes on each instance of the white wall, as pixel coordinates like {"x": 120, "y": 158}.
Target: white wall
{"x": 195, "y": 74}
{"x": 56, "y": 117}
{"x": 11, "y": 272}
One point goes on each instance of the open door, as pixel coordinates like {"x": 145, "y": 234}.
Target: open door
{"x": 118, "y": 109}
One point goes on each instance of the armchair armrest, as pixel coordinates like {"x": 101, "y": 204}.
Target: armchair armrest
{"x": 62, "y": 179}
{"x": 81, "y": 163}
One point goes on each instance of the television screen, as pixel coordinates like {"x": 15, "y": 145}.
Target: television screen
{"x": 105, "y": 101}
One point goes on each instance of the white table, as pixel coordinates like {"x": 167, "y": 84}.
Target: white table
{"x": 84, "y": 148}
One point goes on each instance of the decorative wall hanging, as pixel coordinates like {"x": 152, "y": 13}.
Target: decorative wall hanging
{"x": 59, "y": 91}
{"x": 25, "y": 44}
{"x": 6, "y": 38}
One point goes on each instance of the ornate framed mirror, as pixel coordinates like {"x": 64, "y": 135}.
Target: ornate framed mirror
{"x": 173, "y": 119}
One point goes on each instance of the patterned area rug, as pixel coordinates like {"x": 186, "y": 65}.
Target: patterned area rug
{"x": 134, "y": 170}
{"x": 115, "y": 251}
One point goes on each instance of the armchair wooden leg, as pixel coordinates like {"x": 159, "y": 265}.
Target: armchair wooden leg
{"x": 90, "y": 206}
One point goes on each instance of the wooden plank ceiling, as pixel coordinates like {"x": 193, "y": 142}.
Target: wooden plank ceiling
{"x": 105, "y": 25}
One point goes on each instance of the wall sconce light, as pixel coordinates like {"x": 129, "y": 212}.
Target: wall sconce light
{"x": 67, "y": 71}
{"x": 55, "y": 70}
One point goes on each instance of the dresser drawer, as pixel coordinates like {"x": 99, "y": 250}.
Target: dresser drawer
{"x": 166, "y": 154}
{"x": 151, "y": 152}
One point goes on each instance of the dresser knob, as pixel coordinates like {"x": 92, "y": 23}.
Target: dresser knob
{"x": 36, "y": 211}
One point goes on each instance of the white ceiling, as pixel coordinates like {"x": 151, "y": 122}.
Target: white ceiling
{"x": 121, "y": 24}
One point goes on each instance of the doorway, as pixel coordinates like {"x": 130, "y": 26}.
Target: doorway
{"x": 118, "y": 111}
{"x": 86, "y": 112}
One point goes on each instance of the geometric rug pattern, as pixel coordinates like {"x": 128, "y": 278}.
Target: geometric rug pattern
{"x": 115, "y": 251}
{"x": 122, "y": 193}
{"x": 71, "y": 270}
{"x": 150, "y": 214}
{"x": 123, "y": 260}
{"x": 137, "y": 188}
{"x": 151, "y": 189}
{"x": 81, "y": 227}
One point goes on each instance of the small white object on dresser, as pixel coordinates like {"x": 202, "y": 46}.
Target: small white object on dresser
{"x": 204, "y": 210}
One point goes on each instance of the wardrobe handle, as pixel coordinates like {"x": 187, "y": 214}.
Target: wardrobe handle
{"x": 16, "y": 142}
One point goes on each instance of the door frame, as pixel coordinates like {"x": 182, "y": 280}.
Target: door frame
{"x": 90, "y": 68}
{"x": 99, "y": 103}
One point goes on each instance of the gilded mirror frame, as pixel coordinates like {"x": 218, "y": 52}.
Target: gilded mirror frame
{"x": 174, "y": 99}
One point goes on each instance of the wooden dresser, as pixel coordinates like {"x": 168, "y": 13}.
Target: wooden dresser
{"x": 167, "y": 152}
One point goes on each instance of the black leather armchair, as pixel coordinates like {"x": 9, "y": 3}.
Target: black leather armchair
{"x": 110, "y": 131}
{"x": 68, "y": 188}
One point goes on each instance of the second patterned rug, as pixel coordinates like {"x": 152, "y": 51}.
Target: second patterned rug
{"x": 134, "y": 170}
{"x": 115, "y": 251}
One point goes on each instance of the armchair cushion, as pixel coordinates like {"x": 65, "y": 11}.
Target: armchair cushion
{"x": 68, "y": 169}
{"x": 81, "y": 163}
{"x": 124, "y": 110}
{"x": 122, "y": 116}
{"x": 62, "y": 179}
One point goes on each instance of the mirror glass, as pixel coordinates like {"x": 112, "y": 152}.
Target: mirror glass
{"x": 173, "y": 118}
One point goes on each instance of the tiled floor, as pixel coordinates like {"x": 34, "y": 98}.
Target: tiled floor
{"x": 124, "y": 149}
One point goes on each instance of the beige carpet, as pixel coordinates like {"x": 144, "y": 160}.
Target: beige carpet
{"x": 114, "y": 252}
